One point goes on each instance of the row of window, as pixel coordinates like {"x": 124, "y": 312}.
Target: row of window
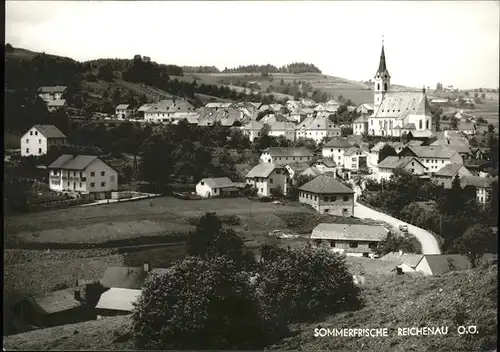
{"x": 36, "y": 133}
{"x": 39, "y": 150}
{"x": 293, "y": 158}
{"x": 352, "y": 244}
{"x": 433, "y": 161}
{"x": 39, "y": 141}
{"x": 325, "y": 198}
{"x": 92, "y": 173}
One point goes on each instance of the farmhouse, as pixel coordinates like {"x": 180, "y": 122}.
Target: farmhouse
{"x": 51, "y": 93}
{"x": 328, "y": 196}
{"x": 164, "y": 110}
{"x": 396, "y": 112}
{"x": 444, "y": 177}
{"x": 433, "y": 157}
{"x": 123, "y": 112}
{"x": 54, "y": 105}
{"x": 335, "y": 149}
{"x": 483, "y": 186}
{"x": 317, "y": 128}
{"x": 284, "y": 155}
{"x": 216, "y": 187}
{"x": 40, "y": 138}
{"x": 355, "y": 240}
{"x": 437, "y": 264}
{"x": 411, "y": 164}
{"x": 117, "y": 301}
{"x": 268, "y": 178}
{"x": 84, "y": 175}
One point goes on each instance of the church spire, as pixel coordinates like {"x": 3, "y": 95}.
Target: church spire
{"x": 382, "y": 67}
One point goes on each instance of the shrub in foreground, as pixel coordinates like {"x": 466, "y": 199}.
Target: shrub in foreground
{"x": 199, "y": 305}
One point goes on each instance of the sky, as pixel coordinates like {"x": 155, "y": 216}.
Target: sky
{"x": 453, "y": 42}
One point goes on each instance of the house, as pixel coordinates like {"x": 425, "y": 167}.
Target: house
{"x": 335, "y": 149}
{"x": 252, "y": 129}
{"x": 483, "y": 186}
{"x": 123, "y": 112}
{"x": 67, "y": 306}
{"x": 285, "y": 129}
{"x": 433, "y": 157}
{"x": 480, "y": 153}
{"x": 360, "y": 125}
{"x": 40, "y": 138}
{"x": 325, "y": 165}
{"x": 285, "y": 155}
{"x": 437, "y": 264}
{"x": 355, "y": 158}
{"x": 296, "y": 168}
{"x": 216, "y": 187}
{"x": 328, "y": 196}
{"x": 125, "y": 277}
{"x": 216, "y": 106}
{"x": 163, "y": 111}
{"x": 407, "y": 262}
{"x": 293, "y": 105}
{"x": 272, "y": 118}
{"x": 117, "y": 301}
{"x": 297, "y": 116}
{"x": 84, "y": 175}
{"x": 317, "y": 128}
{"x": 54, "y": 105}
{"x": 268, "y": 178}
{"x": 467, "y": 127}
{"x": 409, "y": 163}
{"x": 354, "y": 240}
{"x": 364, "y": 109}
{"x": 397, "y": 146}
{"x": 326, "y": 109}
{"x": 308, "y": 112}
{"x": 51, "y": 93}
{"x": 446, "y": 174}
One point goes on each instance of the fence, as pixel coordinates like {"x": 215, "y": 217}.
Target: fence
{"x": 56, "y": 204}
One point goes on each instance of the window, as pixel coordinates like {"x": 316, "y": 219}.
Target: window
{"x": 36, "y": 133}
{"x": 353, "y": 244}
{"x": 332, "y": 243}
{"x": 103, "y": 173}
{"x": 103, "y": 184}
{"x": 80, "y": 185}
{"x": 385, "y": 86}
{"x": 412, "y": 163}
{"x": 92, "y": 174}
{"x": 278, "y": 172}
{"x": 68, "y": 184}
{"x": 326, "y": 199}
{"x": 261, "y": 190}
{"x": 202, "y": 183}
{"x": 372, "y": 245}
{"x": 27, "y": 150}
{"x": 92, "y": 184}
{"x": 345, "y": 198}
{"x": 442, "y": 161}
{"x": 31, "y": 133}
{"x": 339, "y": 150}
{"x": 378, "y": 86}
{"x": 333, "y": 198}
{"x": 317, "y": 242}
{"x": 27, "y": 140}
{"x": 427, "y": 124}
{"x": 39, "y": 150}
{"x": 270, "y": 180}
{"x": 112, "y": 178}
{"x": 39, "y": 141}
{"x": 344, "y": 211}
{"x": 315, "y": 197}
{"x": 353, "y": 159}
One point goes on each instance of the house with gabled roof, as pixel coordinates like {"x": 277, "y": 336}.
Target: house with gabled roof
{"x": 444, "y": 176}
{"x": 482, "y": 185}
{"x": 40, "y": 138}
{"x": 123, "y": 111}
{"x": 433, "y": 157}
{"x": 355, "y": 158}
{"x": 411, "y": 164}
{"x": 85, "y": 175}
{"x": 284, "y": 155}
{"x": 117, "y": 301}
{"x": 364, "y": 109}
{"x": 360, "y": 125}
{"x": 216, "y": 187}
{"x": 252, "y": 129}
{"x": 317, "y": 128}
{"x": 51, "y": 93}
{"x": 406, "y": 262}
{"x": 353, "y": 240}
{"x": 325, "y": 165}
{"x": 335, "y": 149}
{"x": 438, "y": 264}
{"x": 286, "y": 129}
{"x": 328, "y": 196}
{"x": 217, "y": 105}
{"x": 268, "y": 178}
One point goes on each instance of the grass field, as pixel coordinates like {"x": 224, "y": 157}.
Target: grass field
{"x": 459, "y": 298}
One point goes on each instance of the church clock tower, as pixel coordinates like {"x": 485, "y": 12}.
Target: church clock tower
{"x": 382, "y": 81}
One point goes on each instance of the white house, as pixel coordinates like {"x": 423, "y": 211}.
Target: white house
{"x": 483, "y": 186}
{"x": 252, "y": 129}
{"x": 267, "y": 177}
{"x": 360, "y": 125}
{"x": 444, "y": 177}
{"x": 218, "y": 106}
{"x": 433, "y": 157}
{"x": 40, "y": 138}
{"x": 164, "y": 110}
{"x": 216, "y": 187}
{"x": 51, "y": 93}
{"x": 84, "y": 175}
{"x": 325, "y": 165}
{"x": 335, "y": 149}
{"x": 54, "y": 105}
{"x": 123, "y": 112}
{"x": 411, "y": 164}
{"x": 286, "y": 129}
{"x": 364, "y": 109}
{"x": 317, "y": 128}
{"x": 285, "y": 155}
{"x": 355, "y": 158}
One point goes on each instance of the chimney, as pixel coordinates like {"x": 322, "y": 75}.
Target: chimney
{"x": 78, "y": 295}
{"x": 400, "y": 252}
{"x": 146, "y": 267}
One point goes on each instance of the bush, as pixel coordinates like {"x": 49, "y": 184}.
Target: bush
{"x": 394, "y": 243}
{"x": 199, "y": 305}
{"x": 303, "y": 284}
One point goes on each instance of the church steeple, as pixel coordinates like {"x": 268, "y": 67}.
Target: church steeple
{"x": 382, "y": 79}
{"x": 382, "y": 67}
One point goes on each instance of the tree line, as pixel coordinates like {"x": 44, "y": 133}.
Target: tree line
{"x": 296, "y": 67}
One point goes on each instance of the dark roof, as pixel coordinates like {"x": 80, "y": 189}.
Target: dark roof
{"x": 327, "y": 162}
{"x": 394, "y": 162}
{"x": 57, "y": 301}
{"x": 70, "y": 162}
{"x": 461, "y": 146}
{"x": 49, "y": 131}
{"x": 124, "y": 277}
{"x": 476, "y": 181}
{"x": 218, "y": 182}
{"x": 289, "y": 151}
{"x": 53, "y": 89}
{"x": 382, "y": 66}
{"x": 440, "y": 263}
{"x": 349, "y": 232}
{"x": 263, "y": 170}
{"x": 338, "y": 143}
{"x": 449, "y": 170}
{"x": 441, "y": 152}
{"x": 324, "y": 184}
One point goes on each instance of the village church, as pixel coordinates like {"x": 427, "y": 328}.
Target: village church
{"x": 396, "y": 112}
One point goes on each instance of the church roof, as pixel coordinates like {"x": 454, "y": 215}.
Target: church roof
{"x": 382, "y": 66}
{"x": 401, "y": 104}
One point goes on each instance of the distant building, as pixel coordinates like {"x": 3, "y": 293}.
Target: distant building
{"x": 163, "y": 111}
{"x": 40, "y": 138}
{"x": 328, "y": 196}
{"x": 284, "y": 155}
{"x": 54, "y": 105}
{"x": 434, "y": 158}
{"x": 216, "y": 187}
{"x": 335, "y": 149}
{"x": 385, "y": 169}
{"x": 117, "y": 301}
{"x": 482, "y": 185}
{"x": 317, "y": 128}
{"x": 355, "y": 158}
{"x": 84, "y": 175}
{"x": 218, "y": 106}
{"x": 286, "y": 129}
{"x": 325, "y": 165}
{"x": 438, "y": 264}
{"x": 444, "y": 177}
{"x": 360, "y": 125}
{"x": 407, "y": 262}
{"x": 52, "y": 93}
{"x": 267, "y": 178}
{"x": 364, "y": 109}
{"x": 123, "y": 112}
{"x": 355, "y": 240}
{"x": 252, "y": 129}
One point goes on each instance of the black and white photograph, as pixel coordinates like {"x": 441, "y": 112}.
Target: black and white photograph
{"x": 251, "y": 175}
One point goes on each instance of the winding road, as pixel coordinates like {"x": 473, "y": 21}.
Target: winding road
{"x": 427, "y": 240}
